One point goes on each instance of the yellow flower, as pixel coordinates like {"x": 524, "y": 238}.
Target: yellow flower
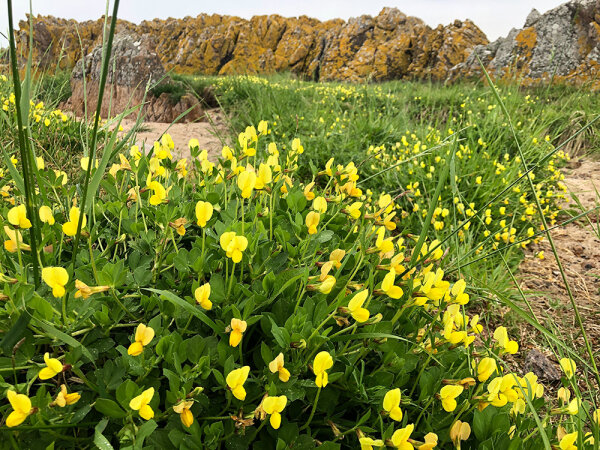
{"x": 236, "y": 379}
{"x": 159, "y": 193}
{"x": 193, "y": 143}
{"x": 17, "y": 216}
{"x": 312, "y": 220}
{"x": 56, "y": 278}
{"x": 274, "y": 406}
{"x": 21, "y": 405}
{"x": 431, "y": 441}
{"x": 70, "y": 227}
{"x": 323, "y": 362}
{"x": 204, "y": 211}
{"x": 359, "y": 313}
{"x": 276, "y": 366}
{"x": 85, "y": 163}
{"x": 140, "y": 403}
{"x": 568, "y": 441}
{"x": 326, "y": 285}
{"x": 135, "y": 153}
{"x": 227, "y": 153}
{"x": 53, "y": 367}
{"x": 265, "y": 176}
{"x": 354, "y": 210}
{"x": 143, "y": 336}
{"x": 508, "y": 346}
{"x": 15, "y": 239}
{"x": 183, "y": 409}
{"x": 501, "y": 390}
{"x": 238, "y": 327}
{"x": 320, "y": 205}
{"x": 308, "y": 194}
{"x": 458, "y": 292}
{"x": 246, "y": 182}
{"x": 448, "y": 396}
{"x": 263, "y": 127}
{"x": 39, "y": 161}
{"x": 85, "y": 291}
{"x": 388, "y": 286}
{"x": 391, "y": 403}
{"x": 63, "y": 398}
{"x": 568, "y": 366}
{"x": 233, "y": 245}
{"x": 179, "y": 225}
{"x": 202, "y": 295}
{"x": 485, "y": 369}
{"x": 460, "y": 431}
{"x": 367, "y": 443}
{"x": 401, "y": 436}
{"x": 46, "y": 215}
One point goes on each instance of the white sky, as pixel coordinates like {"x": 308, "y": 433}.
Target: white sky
{"x": 494, "y": 17}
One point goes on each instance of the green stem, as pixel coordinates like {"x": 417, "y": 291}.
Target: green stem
{"x": 312, "y": 413}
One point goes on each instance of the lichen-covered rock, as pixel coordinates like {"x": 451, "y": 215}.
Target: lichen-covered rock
{"x": 388, "y": 46}
{"x": 561, "y": 45}
{"x": 134, "y": 68}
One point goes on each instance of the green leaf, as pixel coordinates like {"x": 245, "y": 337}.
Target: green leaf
{"x": 59, "y": 335}
{"x": 109, "y": 408}
{"x": 166, "y": 295}
{"x": 99, "y": 440}
{"x": 15, "y": 333}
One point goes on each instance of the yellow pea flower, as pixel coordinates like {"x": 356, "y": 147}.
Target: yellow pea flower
{"x": 204, "y": 211}
{"x": 391, "y": 403}
{"x": 143, "y": 336}
{"x": 320, "y": 205}
{"x": 354, "y": 210}
{"x": 85, "y": 163}
{"x": 17, "y": 216}
{"x": 264, "y": 177}
{"x": 323, "y": 362}
{"x": 431, "y": 441}
{"x": 64, "y": 398}
{"x": 448, "y": 396}
{"x": 135, "y": 153}
{"x": 274, "y": 406}
{"x": 568, "y": 441}
{"x": 21, "y": 405}
{"x": 70, "y": 227}
{"x": 367, "y": 443}
{"x": 193, "y": 143}
{"x": 237, "y": 329}
{"x": 400, "y": 437}
{"x": 236, "y": 379}
{"x": 308, "y": 194}
{"x": 202, "y": 294}
{"x": 508, "y": 346}
{"x": 262, "y": 127}
{"x": 312, "y": 220}
{"x": 56, "y": 278}
{"x": 159, "y": 193}
{"x": 46, "y": 215}
{"x": 276, "y": 366}
{"x": 61, "y": 176}
{"x": 458, "y": 292}
{"x": 485, "y": 369}
{"x": 233, "y": 245}
{"x": 39, "y": 161}
{"x": 183, "y": 408}
{"x": 359, "y": 313}
{"x": 227, "y": 153}
{"x": 15, "y": 239}
{"x": 85, "y": 291}
{"x": 246, "y": 182}
{"x": 326, "y": 285}
{"x": 53, "y": 367}
{"x": 460, "y": 431}
{"x": 141, "y": 404}
{"x": 388, "y": 286}
{"x": 568, "y": 366}
{"x": 501, "y": 390}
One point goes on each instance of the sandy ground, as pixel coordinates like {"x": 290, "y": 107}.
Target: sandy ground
{"x": 211, "y": 133}
{"x": 578, "y": 247}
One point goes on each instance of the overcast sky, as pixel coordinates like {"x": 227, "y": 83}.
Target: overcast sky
{"x": 494, "y": 17}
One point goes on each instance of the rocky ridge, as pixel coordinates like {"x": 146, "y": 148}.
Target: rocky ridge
{"x": 390, "y": 45}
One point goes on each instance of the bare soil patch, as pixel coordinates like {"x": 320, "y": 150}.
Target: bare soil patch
{"x": 212, "y": 133}
{"x": 578, "y": 247}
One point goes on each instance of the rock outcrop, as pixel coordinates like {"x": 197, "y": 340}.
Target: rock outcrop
{"x": 133, "y": 68}
{"x": 388, "y": 46}
{"x": 561, "y": 45}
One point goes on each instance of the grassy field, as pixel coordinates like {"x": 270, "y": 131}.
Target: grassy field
{"x": 337, "y": 279}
